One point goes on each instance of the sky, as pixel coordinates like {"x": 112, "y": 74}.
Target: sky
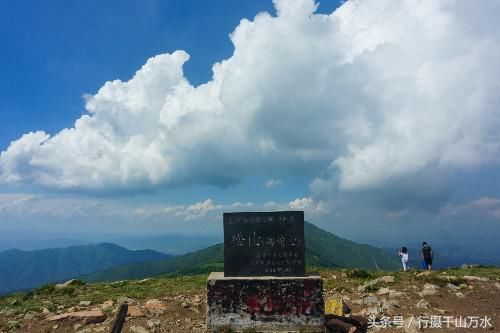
{"x": 380, "y": 119}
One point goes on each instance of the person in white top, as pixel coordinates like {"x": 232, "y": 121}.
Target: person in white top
{"x": 404, "y": 257}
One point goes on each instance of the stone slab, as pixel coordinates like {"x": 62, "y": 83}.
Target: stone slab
{"x": 264, "y": 243}
{"x": 265, "y": 303}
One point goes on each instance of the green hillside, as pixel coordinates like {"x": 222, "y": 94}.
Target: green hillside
{"x": 345, "y": 253}
{"x": 28, "y": 269}
{"x": 323, "y": 249}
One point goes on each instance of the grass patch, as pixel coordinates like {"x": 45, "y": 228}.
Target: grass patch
{"x": 50, "y": 296}
{"x": 46, "y": 289}
{"x": 433, "y": 279}
{"x": 492, "y": 273}
{"x": 372, "y": 288}
{"x": 101, "y": 292}
{"x": 13, "y": 326}
{"x": 359, "y": 274}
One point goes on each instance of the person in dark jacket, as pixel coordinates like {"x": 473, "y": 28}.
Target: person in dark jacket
{"x": 427, "y": 255}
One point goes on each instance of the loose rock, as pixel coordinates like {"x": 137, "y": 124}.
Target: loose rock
{"x": 387, "y": 279}
{"x": 138, "y": 329}
{"x": 153, "y": 323}
{"x": 86, "y": 317}
{"x": 372, "y": 311}
{"x": 127, "y": 300}
{"x": 337, "y": 325}
{"x": 383, "y": 291}
{"x": 394, "y": 294}
{"x": 370, "y": 300}
{"x": 389, "y": 306}
{"x": 429, "y": 289}
{"x": 108, "y": 305}
{"x": 475, "y": 278}
{"x": 423, "y": 304}
{"x": 66, "y": 284}
{"x": 29, "y": 316}
{"x": 155, "y": 306}
{"x": 452, "y": 286}
{"x": 135, "y": 311}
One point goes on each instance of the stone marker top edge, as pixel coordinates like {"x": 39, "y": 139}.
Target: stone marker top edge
{"x": 220, "y": 276}
{"x": 277, "y": 212}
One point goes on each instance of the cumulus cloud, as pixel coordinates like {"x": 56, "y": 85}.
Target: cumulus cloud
{"x": 377, "y": 90}
{"x": 311, "y": 206}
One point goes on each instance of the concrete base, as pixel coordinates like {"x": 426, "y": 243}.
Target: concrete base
{"x": 265, "y": 303}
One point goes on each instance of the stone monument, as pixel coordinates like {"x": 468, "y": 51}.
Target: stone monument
{"x": 264, "y": 287}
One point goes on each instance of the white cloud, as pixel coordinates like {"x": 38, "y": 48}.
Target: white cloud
{"x": 480, "y": 209}
{"x": 272, "y": 183}
{"x": 33, "y": 207}
{"x": 310, "y": 206}
{"x": 378, "y": 90}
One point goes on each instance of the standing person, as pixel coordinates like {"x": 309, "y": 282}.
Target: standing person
{"x": 427, "y": 255}
{"x": 404, "y": 257}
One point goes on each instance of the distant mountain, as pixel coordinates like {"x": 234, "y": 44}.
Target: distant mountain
{"x": 345, "y": 253}
{"x": 323, "y": 249}
{"x": 170, "y": 244}
{"x": 38, "y": 244}
{"x": 28, "y": 269}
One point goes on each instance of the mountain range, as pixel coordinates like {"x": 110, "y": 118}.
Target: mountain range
{"x": 28, "y": 269}
{"x": 173, "y": 244}
{"x": 323, "y": 249}
{"x": 109, "y": 262}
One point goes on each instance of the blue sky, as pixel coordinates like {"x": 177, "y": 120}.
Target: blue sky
{"x": 379, "y": 119}
{"x": 55, "y": 52}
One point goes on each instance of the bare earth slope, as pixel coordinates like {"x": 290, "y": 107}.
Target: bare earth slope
{"x": 177, "y": 304}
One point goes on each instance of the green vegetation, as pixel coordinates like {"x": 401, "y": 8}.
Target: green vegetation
{"x": 347, "y": 254}
{"x": 359, "y": 273}
{"x": 323, "y": 249}
{"x": 50, "y": 297}
{"x": 202, "y": 261}
{"x": 28, "y": 269}
{"x": 483, "y": 271}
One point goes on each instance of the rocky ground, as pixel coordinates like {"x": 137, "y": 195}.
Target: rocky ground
{"x": 178, "y": 305}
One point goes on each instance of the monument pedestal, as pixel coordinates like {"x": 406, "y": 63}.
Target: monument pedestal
{"x": 265, "y": 303}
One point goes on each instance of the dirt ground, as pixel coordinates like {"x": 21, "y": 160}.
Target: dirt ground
{"x": 410, "y": 297}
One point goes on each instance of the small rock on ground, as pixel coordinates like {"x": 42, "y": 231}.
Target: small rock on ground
{"x": 383, "y": 291}
{"x": 423, "y": 304}
{"x": 135, "y": 311}
{"x": 86, "y": 317}
{"x": 475, "y": 278}
{"x": 387, "y": 279}
{"x": 138, "y": 329}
